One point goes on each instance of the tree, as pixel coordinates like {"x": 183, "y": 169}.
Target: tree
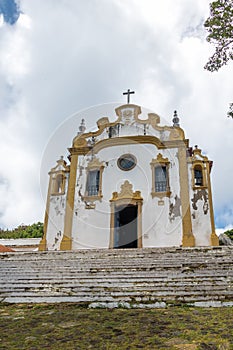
{"x": 229, "y": 233}
{"x": 24, "y": 231}
{"x": 220, "y": 28}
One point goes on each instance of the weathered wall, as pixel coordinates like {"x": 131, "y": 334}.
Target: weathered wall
{"x": 200, "y": 213}
{"x": 161, "y": 217}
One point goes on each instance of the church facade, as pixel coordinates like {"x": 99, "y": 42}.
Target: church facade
{"x": 131, "y": 184}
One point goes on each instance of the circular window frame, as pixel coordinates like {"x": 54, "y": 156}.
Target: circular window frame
{"x": 131, "y": 157}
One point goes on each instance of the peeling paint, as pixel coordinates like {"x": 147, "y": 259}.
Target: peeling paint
{"x": 57, "y": 240}
{"x": 174, "y": 209}
{"x": 59, "y": 205}
{"x": 80, "y": 174}
{"x": 201, "y": 195}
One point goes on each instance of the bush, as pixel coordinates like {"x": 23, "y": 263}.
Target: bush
{"x": 24, "y": 231}
{"x": 229, "y": 233}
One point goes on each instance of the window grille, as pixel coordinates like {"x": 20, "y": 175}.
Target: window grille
{"x": 160, "y": 179}
{"x": 93, "y": 183}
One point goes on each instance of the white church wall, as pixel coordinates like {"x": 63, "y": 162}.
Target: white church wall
{"x": 200, "y": 213}
{"x": 56, "y": 221}
{"x": 161, "y": 226}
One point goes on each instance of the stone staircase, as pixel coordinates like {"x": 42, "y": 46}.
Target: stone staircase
{"x": 154, "y": 277}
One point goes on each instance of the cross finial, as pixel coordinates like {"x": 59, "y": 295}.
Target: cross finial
{"x": 128, "y": 93}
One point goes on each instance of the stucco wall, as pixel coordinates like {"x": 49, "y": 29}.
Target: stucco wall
{"x": 56, "y": 221}
{"x": 200, "y": 213}
{"x": 161, "y": 218}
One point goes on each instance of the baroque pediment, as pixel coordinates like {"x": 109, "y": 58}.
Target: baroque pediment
{"x": 126, "y": 192}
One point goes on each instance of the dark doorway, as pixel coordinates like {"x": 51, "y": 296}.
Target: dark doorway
{"x": 125, "y": 231}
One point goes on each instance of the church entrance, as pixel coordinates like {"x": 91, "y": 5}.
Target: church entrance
{"x": 125, "y": 228}
{"x": 126, "y": 218}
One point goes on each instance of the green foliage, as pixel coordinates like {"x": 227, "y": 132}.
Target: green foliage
{"x": 229, "y": 233}
{"x": 23, "y": 231}
{"x": 220, "y": 28}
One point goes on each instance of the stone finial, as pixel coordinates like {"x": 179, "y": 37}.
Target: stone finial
{"x": 82, "y": 127}
{"x": 196, "y": 150}
{"x": 175, "y": 119}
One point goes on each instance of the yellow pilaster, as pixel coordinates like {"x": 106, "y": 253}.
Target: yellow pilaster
{"x": 139, "y": 218}
{"x": 66, "y": 243}
{"x": 112, "y": 224}
{"x": 188, "y": 239}
{"x": 214, "y": 241}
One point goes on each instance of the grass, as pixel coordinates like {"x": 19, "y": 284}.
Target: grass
{"x": 69, "y": 326}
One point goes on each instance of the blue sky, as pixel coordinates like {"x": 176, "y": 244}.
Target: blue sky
{"x": 62, "y": 57}
{"x": 10, "y": 11}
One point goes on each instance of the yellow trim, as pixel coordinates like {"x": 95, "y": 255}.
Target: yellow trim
{"x": 188, "y": 239}
{"x": 66, "y": 243}
{"x": 214, "y": 241}
{"x": 176, "y": 133}
{"x": 141, "y": 139}
{"x": 55, "y": 185}
{"x": 43, "y": 242}
{"x": 94, "y": 164}
{"x": 199, "y": 163}
{"x": 160, "y": 161}
{"x": 124, "y": 197}
{"x": 124, "y": 140}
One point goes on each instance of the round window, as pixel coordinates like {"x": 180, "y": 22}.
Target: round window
{"x": 126, "y": 162}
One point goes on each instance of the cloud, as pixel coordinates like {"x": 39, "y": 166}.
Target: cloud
{"x": 62, "y": 57}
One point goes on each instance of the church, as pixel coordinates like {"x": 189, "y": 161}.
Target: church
{"x": 132, "y": 183}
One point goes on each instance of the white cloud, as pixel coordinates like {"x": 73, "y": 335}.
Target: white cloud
{"x": 63, "y": 56}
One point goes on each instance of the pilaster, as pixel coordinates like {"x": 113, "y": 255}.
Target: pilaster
{"x": 66, "y": 243}
{"x": 188, "y": 239}
{"x": 43, "y": 242}
{"x": 214, "y": 241}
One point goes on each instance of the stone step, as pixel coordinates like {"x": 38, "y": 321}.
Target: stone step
{"x": 178, "y": 299}
{"x": 168, "y": 293}
{"x": 109, "y": 264}
{"x": 158, "y": 275}
{"x": 121, "y": 253}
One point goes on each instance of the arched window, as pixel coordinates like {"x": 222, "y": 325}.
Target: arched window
{"x": 160, "y": 177}
{"x": 58, "y": 184}
{"x": 93, "y": 182}
{"x": 93, "y": 190}
{"x": 198, "y": 175}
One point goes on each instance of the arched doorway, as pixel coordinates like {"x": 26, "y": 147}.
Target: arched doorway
{"x": 126, "y": 218}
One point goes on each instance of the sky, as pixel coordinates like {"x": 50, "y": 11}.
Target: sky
{"x": 59, "y": 58}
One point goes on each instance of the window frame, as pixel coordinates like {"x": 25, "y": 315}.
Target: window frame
{"x": 55, "y": 186}
{"x": 90, "y": 181}
{"x": 94, "y": 165}
{"x": 201, "y": 167}
{"x": 160, "y": 162}
{"x": 125, "y": 156}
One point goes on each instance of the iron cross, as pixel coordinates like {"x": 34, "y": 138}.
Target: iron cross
{"x": 128, "y": 93}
